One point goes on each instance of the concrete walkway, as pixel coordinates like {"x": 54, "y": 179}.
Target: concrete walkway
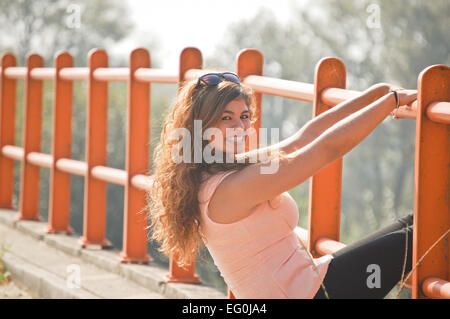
{"x": 54, "y": 266}
{"x": 10, "y": 290}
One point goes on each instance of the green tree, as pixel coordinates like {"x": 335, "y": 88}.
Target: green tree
{"x": 48, "y": 26}
{"x": 381, "y": 41}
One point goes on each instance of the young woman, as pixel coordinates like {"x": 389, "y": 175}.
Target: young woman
{"x": 245, "y": 216}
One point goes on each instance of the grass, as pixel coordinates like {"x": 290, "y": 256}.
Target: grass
{"x": 5, "y": 275}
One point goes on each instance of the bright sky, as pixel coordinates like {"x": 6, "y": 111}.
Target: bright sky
{"x": 177, "y": 24}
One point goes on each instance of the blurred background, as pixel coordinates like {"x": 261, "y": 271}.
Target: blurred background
{"x": 378, "y": 41}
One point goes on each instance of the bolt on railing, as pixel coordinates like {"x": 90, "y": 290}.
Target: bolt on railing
{"x": 431, "y": 111}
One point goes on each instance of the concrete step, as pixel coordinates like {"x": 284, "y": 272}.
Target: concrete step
{"x": 55, "y": 266}
{"x": 11, "y": 290}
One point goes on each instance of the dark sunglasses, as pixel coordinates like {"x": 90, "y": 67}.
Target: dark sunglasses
{"x": 212, "y": 79}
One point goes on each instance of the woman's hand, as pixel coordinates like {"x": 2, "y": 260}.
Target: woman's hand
{"x": 406, "y": 97}
{"x": 380, "y": 89}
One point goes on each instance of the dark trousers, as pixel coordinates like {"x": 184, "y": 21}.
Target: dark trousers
{"x": 372, "y": 266}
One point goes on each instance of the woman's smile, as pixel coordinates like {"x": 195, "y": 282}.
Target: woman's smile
{"x": 233, "y": 125}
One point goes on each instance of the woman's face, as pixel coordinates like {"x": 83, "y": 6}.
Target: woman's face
{"x": 235, "y": 118}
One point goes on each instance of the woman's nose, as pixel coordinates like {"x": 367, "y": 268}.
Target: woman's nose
{"x": 240, "y": 124}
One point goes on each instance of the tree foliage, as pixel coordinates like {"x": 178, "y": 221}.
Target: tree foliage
{"x": 48, "y": 26}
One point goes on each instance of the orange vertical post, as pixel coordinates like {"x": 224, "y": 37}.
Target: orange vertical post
{"x": 250, "y": 62}
{"x": 94, "y": 223}
{"x": 190, "y": 58}
{"x": 431, "y": 181}
{"x": 59, "y": 202}
{"x": 137, "y": 160}
{"x": 7, "y": 128}
{"x": 325, "y": 186}
{"x": 29, "y": 200}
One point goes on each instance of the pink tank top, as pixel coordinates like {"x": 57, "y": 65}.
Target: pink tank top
{"x": 260, "y": 257}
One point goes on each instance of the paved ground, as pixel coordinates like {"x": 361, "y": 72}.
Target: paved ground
{"x": 54, "y": 266}
{"x": 11, "y": 290}
{"x": 40, "y": 263}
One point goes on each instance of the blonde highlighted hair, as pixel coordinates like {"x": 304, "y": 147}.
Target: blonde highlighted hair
{"x": 173, "y": 203}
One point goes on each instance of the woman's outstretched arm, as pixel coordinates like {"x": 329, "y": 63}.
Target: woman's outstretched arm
{"x": 239, "y": 193}
{"x": 316, "y": 126}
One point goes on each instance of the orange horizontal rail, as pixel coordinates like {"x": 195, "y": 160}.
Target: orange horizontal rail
{"x": 71, "y": 166}
{"x": 156, "y": 75}
{"x": 13, "y": 152}
{"x": 328, "y": 246}
{"x": 305, "y": 92}
{"x": 101, "y": 74}
{"x": 141, "y": 74}
{"x": 323, "y": 245}
{"x": 439, "y": 112}
{"x": 436, "y": 288}
{"x": 109, "y": 174}
{"x": 143, "y": 182}
{"x": 43, "y": 73}
{"x": 332, "y": 96}
{"x": 40, "y": 159}
{"x": 280, "y": 87}
{"x": 74, "y": 74}
{"x": 112, "y": 74}
{"x": 16, "y": 72}
{"x": 192, "y": 74}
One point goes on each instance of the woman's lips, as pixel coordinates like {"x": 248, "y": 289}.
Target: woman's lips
{"x": 235, "y": 139}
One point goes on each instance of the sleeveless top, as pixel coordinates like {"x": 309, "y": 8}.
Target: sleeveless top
{"x": 260, "y": 257}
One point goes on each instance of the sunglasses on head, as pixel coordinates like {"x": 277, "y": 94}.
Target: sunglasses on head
{"x": 212, "y": 79}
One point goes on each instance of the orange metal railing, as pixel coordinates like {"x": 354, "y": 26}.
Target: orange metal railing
{"x": 431, "y": 112}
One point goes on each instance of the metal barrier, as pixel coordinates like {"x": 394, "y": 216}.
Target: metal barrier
{"x": 432, "y": 158}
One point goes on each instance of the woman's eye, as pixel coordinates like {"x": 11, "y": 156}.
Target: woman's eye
{"x": 245, "y": 116}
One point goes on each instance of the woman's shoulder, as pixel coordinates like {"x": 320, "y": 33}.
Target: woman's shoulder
{"x": 210, "y": 181}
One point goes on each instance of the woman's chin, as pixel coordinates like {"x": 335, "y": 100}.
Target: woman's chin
{"x": 235, "y": 148}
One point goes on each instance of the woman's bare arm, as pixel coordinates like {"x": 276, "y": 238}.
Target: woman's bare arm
{"x": 316, "y": 126}
{"x": 239, "y": 193}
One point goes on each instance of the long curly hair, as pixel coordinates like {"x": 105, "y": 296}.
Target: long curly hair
{"x": 172, "y": 203}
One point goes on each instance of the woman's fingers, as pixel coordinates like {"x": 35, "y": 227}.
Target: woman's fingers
{"x": 407, "y": 96}
{"x": 396, "y": 87}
